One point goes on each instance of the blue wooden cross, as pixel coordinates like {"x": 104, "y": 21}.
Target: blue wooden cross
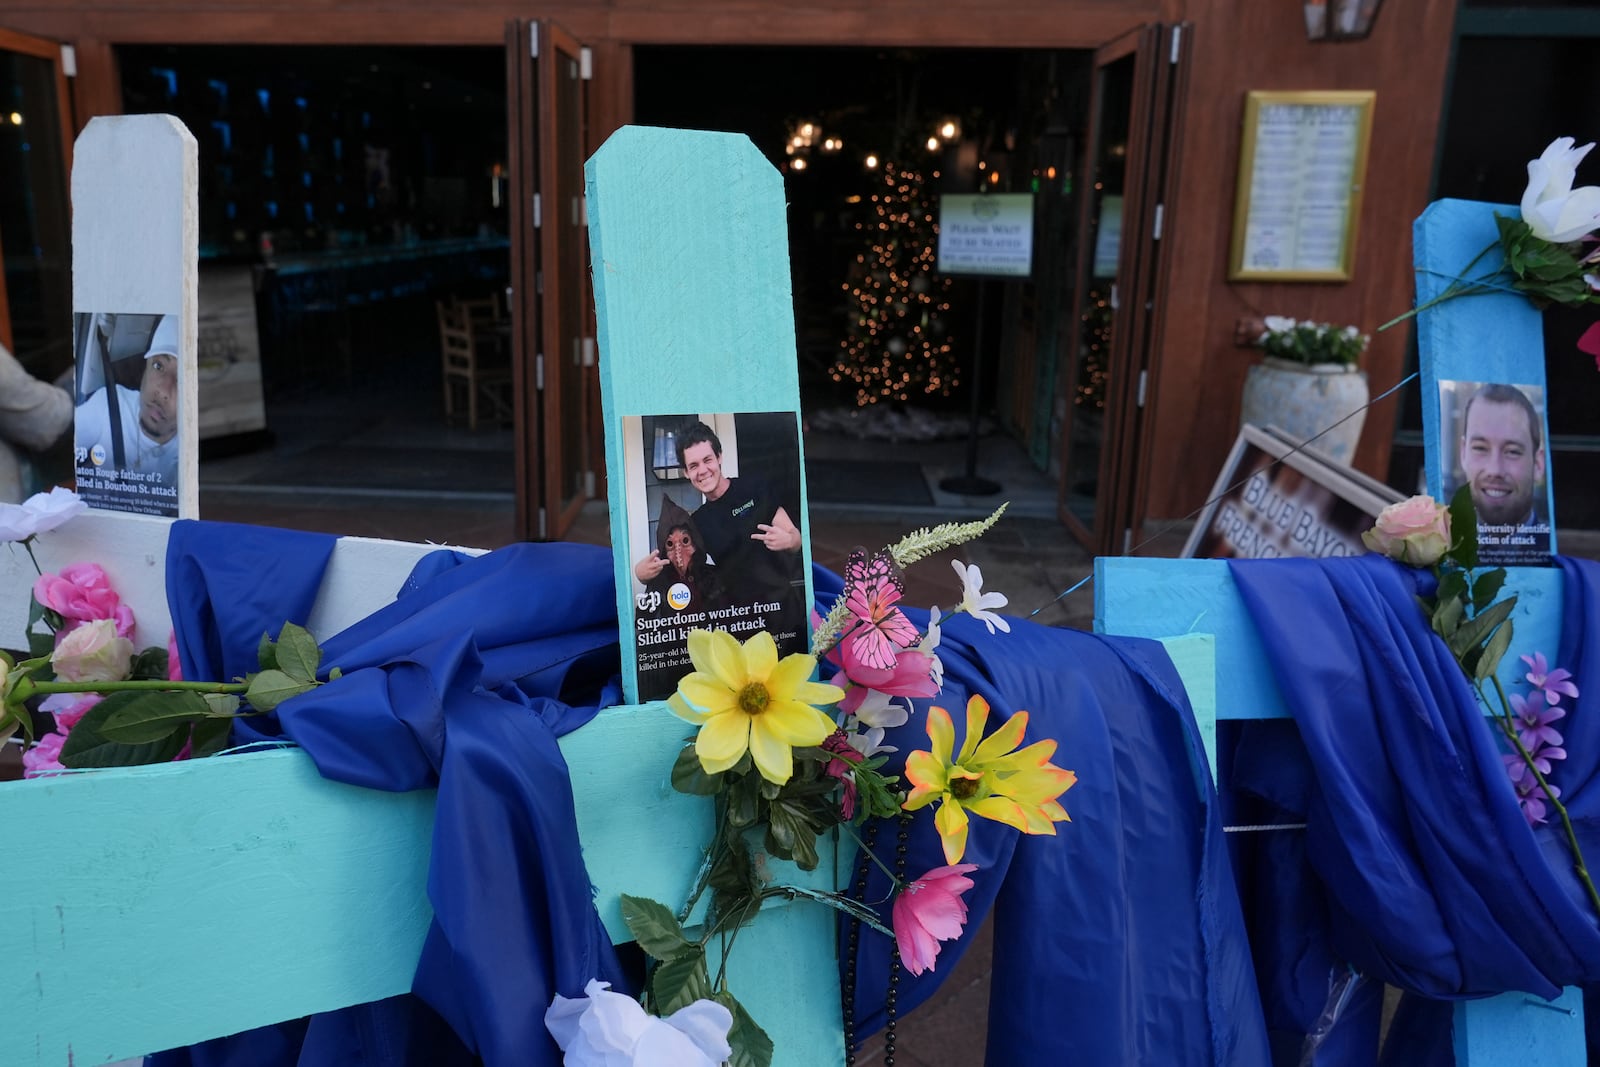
{"x": 1493, "y": 337}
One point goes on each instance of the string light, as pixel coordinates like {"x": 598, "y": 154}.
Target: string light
{"x": 898, "y": 344}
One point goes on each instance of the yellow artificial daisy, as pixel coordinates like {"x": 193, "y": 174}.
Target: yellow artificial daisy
{"x": 988, "y": 779}
{"x": 743, "y": 698}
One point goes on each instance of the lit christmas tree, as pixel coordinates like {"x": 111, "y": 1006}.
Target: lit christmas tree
{"x": 897, "y": 343}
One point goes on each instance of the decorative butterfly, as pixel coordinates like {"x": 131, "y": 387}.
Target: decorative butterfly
{"x": 871, "y": 586}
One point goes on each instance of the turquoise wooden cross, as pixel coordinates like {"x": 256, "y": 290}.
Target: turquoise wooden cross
{"x": 1482, "y": 338}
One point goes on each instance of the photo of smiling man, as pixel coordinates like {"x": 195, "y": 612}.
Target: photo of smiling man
{"x": 1495, "y": 435}
{"x": 127, "y": 444}
{"x": 714, "y": 541}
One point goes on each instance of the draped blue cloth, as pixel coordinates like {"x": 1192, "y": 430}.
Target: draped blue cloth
{"x": 1119, "y": 940}
{"x": 1426, "y": 875}
{"x": 462, "y": 684}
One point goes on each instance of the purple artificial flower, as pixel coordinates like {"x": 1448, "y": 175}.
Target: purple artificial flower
{"x": 1534, "y": 717}
{"x": 1554, "y": 684}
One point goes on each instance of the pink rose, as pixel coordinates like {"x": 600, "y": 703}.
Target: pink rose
{"x": 68, "y": 708}
{"x": 1414, "y": 531}
{"x": 82, "y": 593}
{"x": 94, "y": 652}
{"x": 44, "y": 757}
{"x": 174, "y": 664}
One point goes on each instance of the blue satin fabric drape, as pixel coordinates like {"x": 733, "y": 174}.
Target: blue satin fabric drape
{"x": 1417, "y": 867}
{"x": 1119, "y": 940}
{"x": 463, "y": 684}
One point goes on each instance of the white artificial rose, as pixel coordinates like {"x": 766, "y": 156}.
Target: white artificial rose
{"x": 93, "y": 653}
{"x": 38, "y": 513}
{"x": 1551, "y": 207}
{"x": 606, "y": 1029}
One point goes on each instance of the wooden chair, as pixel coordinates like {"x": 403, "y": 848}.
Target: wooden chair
{"x": 475, "y": 362}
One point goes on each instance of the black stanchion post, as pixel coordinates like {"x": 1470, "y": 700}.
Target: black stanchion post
{"x": 970, "y": 484}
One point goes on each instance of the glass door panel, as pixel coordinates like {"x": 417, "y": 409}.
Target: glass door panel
{"x": 569, "y": 352}
{"x": 35, "y": 222}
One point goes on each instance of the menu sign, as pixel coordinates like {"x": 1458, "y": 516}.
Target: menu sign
{"x": 1302, "y": 161}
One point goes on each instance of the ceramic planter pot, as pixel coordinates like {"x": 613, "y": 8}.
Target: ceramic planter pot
{"x": 1304, "y": 399}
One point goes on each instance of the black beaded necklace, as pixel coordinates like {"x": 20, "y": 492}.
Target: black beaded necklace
{"x": 847, "y": 987}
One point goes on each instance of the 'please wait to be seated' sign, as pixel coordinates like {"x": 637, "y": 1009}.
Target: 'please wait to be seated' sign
{"x": 986, "y": 233}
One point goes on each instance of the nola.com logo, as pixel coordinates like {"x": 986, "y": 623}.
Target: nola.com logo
{"x": 677, "y": 598}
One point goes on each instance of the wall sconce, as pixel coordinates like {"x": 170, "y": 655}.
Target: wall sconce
{"x": 1340, "y": 20}
{"x": 664, "y": 458}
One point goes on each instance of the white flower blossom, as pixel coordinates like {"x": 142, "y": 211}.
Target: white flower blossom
{"x": 606, "y": 1029}
{"x": 1551, "y": 207}
{"x": 931, "y": 642}
{"x": 975, "y": 602}
{"x": 879, "y": 710}
{"x": 870, "y": 742}
{"x": 38, "y": 513}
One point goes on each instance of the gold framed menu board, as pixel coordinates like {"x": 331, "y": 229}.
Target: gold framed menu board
{"x": 1302, "y": 162}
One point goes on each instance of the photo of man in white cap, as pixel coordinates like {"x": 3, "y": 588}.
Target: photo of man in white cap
{"x": 147, "y": 417}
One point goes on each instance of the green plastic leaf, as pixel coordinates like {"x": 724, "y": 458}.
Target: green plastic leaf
{"x": 139, "y": 718}
{"x": 751, "y": 1045}
{"x": 335, "y": 674}
{"x": 35, "y": 612}
{"x": 209, "y": 737}
{"x": 656, "y": 929}
{"x": 679, "y": 983}
{"x": 85, "y": 747}
{"x": 1464, "y": 528}
{"x": 1489, "y": 662}
{"x": 298, "y": 654}
{"x": 42, "y": 645}
{"x": 1476, "y": 630}
{"x": 689, "y": 777}
{"x": 1447, "y": 617}
{"x": 221, "y": 705}
{"x": 270, "y": 688}
{"x": 1452, "y": 584}
{"x": 149, "y": 665}
{"x": 733, "y": 873}
{"x": 1486, "y": 587}
{"x": 744, "y": 800}
{"x": 267, "y": 653}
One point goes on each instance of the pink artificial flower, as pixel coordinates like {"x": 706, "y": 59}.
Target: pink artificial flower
{"x": 68, "y": 708}
{"x": 44, "y": 757}
{"x": 174, "y": 664}
{"x": 82, "y": 593}
{"x": 1553, "y": 683}
{"x": 841, "y": 766}
{"x": 93, "y": 652}
{"x": 910, "y": 676}
{"x": 1589, "y": 343}
{"x": 1415, "y": 531}
{"x": 928, "y": 911}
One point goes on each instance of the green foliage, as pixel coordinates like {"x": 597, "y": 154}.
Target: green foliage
{"x": 141, "y": 717}
{"x": 656, "y": 929}
{"x": 147, "y": 719}
{"x": 1312, "y": 342}
{"x": 751, "y": 1045}
{"x": 86, "y": 745}
{"x": 689, "y": 777}
{"x": 1548, "y": 273}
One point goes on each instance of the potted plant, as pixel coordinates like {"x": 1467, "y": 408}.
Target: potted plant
{"x": 1309, "y": 384}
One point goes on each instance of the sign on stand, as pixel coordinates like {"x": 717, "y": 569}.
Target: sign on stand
{"x": 135, "y": 234}
{"x": 988, "y": 234}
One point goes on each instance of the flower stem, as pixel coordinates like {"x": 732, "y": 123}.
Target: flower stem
{"x": 27, "y": 543}
{"x": 1457, "y": 287}
{"x": 1507, "y": 727}
{"x": 138, "y": 685}
{"x": 873, "y": 856}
